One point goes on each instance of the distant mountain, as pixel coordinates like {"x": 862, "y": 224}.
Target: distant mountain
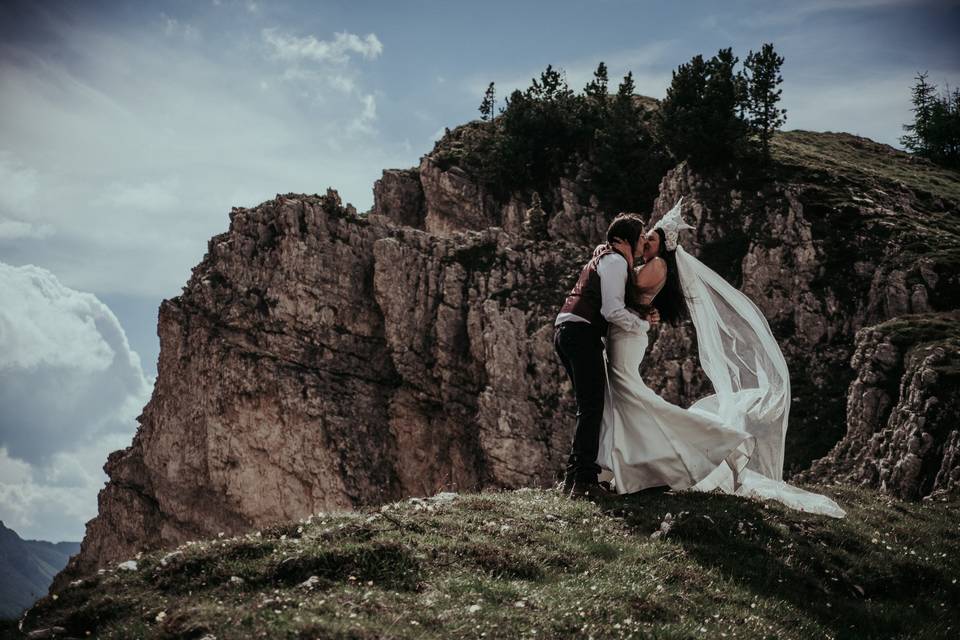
{"x": 27, "y": 568}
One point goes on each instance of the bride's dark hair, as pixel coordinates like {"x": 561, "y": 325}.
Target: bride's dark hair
{"x": 671, "y": 301}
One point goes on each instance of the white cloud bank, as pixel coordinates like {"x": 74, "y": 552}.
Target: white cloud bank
{"x": 70, "y": 391}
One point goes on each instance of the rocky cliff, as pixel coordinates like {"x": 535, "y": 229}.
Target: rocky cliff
{"x": 902, "y": 409}
{"x": 319, "y": 359}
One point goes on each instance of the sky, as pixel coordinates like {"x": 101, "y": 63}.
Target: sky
{"x": 129, "y": 129}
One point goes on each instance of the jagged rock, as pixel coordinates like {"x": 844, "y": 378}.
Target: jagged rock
{"x": 398, "y": 197}
{"x": 902, "y": 409}
{"x": 453, "y": 200}
{"x": 579, "y": 219}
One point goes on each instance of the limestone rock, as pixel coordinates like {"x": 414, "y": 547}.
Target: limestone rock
{"x": 318, "y": 360}
{"x": 902, "y": 410}
{"x": 398, "y": 196}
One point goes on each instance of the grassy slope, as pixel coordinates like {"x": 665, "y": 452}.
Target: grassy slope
{"x": 847, "y": 154}
{"x": 857, "y": 171}
{"x": 531, "y": 563}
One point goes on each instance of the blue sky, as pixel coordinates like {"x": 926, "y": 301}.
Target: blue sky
{"x": 129, "y": 129}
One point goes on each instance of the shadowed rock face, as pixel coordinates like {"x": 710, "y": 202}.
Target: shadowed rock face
{"x": 320, "y": 360}
{"x": 902, "y": 433}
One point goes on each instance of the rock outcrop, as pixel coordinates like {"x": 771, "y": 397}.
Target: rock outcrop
{"x": 318, "y": 359}
{"x": 902, "y": 409}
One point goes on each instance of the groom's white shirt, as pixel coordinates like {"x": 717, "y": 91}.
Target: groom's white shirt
{"x": 612, "y": 269}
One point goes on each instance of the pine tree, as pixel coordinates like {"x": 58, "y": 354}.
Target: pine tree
{"x": 488, "y": 104}
{"x": 762, "y": 95}
{"x": 935, "y": 131}
{"x": 702, "y": 117}
{"x": 626, "y": 90}
{"x": 917, "y": 138}
{"x": 596, "y": 89}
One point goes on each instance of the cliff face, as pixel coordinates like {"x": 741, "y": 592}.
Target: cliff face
{"x": 318, "y": 359}
{"x": 902, "y": 409}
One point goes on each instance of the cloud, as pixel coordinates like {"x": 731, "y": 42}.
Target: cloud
{"x": 336, "y": 51}
{"x": 70, "y": 388}
{"x": 122, "y": 151}
{"x": 67, "y": 373}
{"x": 175, "y": 28}
{"x": 797, "y": 11}
{"x": 19, "y": 182}
{"x": 53, "y": 501}
{"x": 17, "y": 229}
{"x": 368, "y": 114}
{"x": 153, "y": 196}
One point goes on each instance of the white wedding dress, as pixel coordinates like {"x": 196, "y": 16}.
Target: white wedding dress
{"x": 732, "y": 440}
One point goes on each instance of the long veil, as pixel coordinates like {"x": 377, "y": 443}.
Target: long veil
{"x": 750, "y": 379}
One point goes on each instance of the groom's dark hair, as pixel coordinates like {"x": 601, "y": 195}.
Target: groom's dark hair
{"x": 626, "y": 226}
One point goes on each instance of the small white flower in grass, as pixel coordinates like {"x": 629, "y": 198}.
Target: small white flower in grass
{"x": 236, "y": 580}
{"x": 520, "y": 604}
{"x": 129, "y": 565}
{"x": 473, "y": 608}
{"x": 220, "y": 535}
{"x": 161, "y": 616}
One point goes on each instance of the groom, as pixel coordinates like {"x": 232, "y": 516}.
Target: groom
{"x": 596, "y": 300}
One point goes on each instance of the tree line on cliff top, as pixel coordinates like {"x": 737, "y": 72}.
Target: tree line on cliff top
{"x": 719, "y": 117}
{"x": 716, "y": 116}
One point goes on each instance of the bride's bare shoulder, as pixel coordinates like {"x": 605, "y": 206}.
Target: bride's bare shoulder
{"x": 649, "y": 274}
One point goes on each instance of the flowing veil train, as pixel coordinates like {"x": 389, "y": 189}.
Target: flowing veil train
{"x": 751, "y": 386}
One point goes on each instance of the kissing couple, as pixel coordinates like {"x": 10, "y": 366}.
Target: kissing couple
{"x": 731, "y": 440}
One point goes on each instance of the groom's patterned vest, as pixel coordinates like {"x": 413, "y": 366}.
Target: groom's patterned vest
{"x": 585, "y": 299}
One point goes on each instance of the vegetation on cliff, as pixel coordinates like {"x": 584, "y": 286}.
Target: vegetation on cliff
{"x": 935, "y": 130}
{"x": 533, "y": 564}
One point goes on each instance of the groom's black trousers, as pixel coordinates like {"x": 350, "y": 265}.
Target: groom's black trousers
{"x": 580, "y": 348}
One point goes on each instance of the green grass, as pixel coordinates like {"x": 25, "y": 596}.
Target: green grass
{"x": 533, "y": 564}
{"x": 850, "y": 155}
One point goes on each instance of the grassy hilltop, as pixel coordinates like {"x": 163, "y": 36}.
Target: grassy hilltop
{"x": 533, "y": 564}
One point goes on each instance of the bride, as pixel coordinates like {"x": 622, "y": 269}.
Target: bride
{"x": 731, "y": 440}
